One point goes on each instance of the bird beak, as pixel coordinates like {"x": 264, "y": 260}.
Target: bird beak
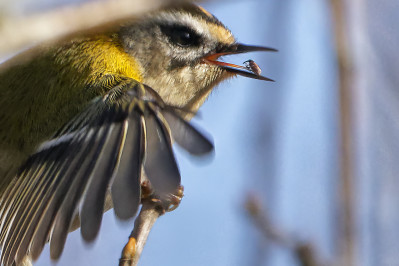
{"x": 237, "y": 48}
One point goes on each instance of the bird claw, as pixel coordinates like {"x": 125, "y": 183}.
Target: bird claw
{"x": 175, "y": 199}
{"x": 168, "y": 203}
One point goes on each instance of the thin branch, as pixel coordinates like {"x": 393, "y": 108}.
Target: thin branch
{"x": 346, "y": 190}
{"x": 303, "y": 251}
{"x": 152, "y": 208}
{"x": 150, "y": 212}
{"x": 17, "y": 33}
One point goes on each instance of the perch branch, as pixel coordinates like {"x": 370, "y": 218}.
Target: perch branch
{"x": 149, "y": 213}
{"x": 303, "y": 251}
{"x": 17, "y": 32}
{"x": 346, "y": 190}
{"x": 152, "y": 208}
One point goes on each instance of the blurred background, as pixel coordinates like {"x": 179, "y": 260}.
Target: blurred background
{"x": 304, "y": 171}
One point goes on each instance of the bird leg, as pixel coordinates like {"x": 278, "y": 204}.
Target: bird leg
{"x": 152, "y": 208}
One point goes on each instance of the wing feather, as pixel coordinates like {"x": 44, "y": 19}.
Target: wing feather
{"x": 93, "y": 203}
{"x": 102, "y": 149}
{"x": 56, "y": 195}
{"x": 39, "y": 199}
{"x": 38, "y": 209}
{"x": 160, "y": 164}
{"x": 187, "y": 136}
{"x": 70, "y": 202}
{"x": 125, "y": 189}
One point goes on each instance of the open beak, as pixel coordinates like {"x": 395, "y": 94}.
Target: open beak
{"x": 238, "y": 48}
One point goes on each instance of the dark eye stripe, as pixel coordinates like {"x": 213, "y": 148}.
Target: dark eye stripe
{"x": 181, "y": 35}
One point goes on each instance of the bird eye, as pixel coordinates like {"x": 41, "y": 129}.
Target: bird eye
{"x": 181, "y": 35}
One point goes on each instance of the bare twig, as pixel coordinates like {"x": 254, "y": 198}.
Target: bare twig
{"x": 150, "y": 212}
{"x": 152, "y": 208}
{"x": 304, "y": 252}
{"x": 17, "y": 33}
{"x": 346, "y": 204}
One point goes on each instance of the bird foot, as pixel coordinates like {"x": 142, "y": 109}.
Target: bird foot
{"x": 168, "y": 203}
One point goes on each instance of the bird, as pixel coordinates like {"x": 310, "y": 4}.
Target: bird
{"x": 87, "y": 118}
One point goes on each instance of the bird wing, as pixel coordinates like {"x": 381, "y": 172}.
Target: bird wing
{"x": 105, "y": 146}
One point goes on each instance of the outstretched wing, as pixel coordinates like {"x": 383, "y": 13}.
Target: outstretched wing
{"x": 106, "y": 146}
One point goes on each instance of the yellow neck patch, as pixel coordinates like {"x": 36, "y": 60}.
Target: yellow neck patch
{"x": 103, "y": 55}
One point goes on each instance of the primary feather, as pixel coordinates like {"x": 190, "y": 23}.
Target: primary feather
{"x": 82, "y": 118}
{"x": 103, "y": 146}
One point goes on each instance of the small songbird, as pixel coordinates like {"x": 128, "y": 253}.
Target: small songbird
{"x": 86, "y": 119}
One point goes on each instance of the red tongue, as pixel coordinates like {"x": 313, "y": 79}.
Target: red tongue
{"x": 219, "y": 63}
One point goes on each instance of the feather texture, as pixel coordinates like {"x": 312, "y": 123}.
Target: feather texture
{"x": 107, "y": 145}
{"x": 186, "y": 135}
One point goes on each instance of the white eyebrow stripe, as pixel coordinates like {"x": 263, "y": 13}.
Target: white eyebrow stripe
{"x": 197, "y": 24}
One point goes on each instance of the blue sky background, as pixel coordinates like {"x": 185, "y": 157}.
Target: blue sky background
{"x": 280, "y": 142}
{"x": 274, "y": 139}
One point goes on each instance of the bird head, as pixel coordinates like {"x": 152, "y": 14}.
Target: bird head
{"x": 178, "y": 50}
